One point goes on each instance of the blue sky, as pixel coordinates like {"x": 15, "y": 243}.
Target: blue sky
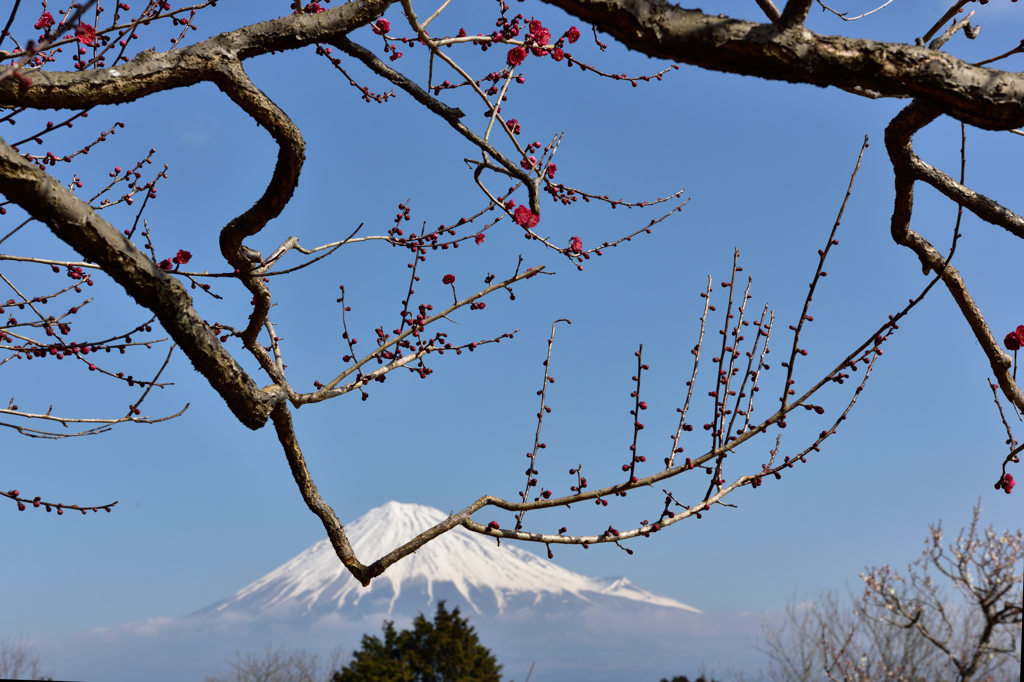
{"x": 207, "y": 506}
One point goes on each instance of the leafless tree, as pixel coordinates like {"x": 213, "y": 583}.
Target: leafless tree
{"x": 19, "y": 661}
{"x": 810, "y": 636}
{"x": 105, "y": 68}
{"x": 908, "y": 627}
{"x": 280, "y": 665}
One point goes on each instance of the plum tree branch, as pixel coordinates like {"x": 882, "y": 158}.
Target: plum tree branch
{"x": 150, "y": 72}
{"x": 984, "y": 98}
{"x": 77, "y": 224}
{"x": 218, "y": 60}
{"x": 447, "y": 113}
{"x": 770, "y": 10}
{"x": 233, "y": 80}
{"x": 908, "y": 169}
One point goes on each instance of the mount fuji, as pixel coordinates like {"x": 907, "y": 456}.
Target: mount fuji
{"x": 462, "y": 567}
{"x": 530, "y": 612}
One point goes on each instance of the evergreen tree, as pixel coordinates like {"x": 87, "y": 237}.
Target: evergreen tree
{"x": 447, "y": 650}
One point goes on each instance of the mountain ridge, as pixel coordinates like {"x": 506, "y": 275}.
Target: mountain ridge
{"x": 489, "y": 578}
{"x": 530, "y": 612}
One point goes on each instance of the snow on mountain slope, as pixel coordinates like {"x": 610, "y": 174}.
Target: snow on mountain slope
{"x": 489, "y": 578}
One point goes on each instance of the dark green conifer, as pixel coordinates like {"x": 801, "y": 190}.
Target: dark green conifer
{"x": 447, "y": 650}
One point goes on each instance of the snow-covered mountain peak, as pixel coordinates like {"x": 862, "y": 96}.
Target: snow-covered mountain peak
{"x": 486, "y": 576}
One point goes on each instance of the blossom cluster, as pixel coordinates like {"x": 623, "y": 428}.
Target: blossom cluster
{"x": 537, "y": 41}
{"x": 45, "y": 22}
{"x": 180, "y": 258}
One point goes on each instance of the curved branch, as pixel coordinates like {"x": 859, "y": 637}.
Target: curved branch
{"x": 980, "y": 205}
{"x": 984, "y": 98}
{"x": 232, "y": 79}
{"x": 908, "y": 169}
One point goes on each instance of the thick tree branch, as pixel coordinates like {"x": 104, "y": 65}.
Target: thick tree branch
{"x": 75, "y": 223}
{"x": 982, "y": 97}
{"x": 988, "y": 210}
{"x": 150, "y": 72}
{"x": 282, "y": 419}
{"x": 909, "y": 168}
{"x": 235, "y": 83}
